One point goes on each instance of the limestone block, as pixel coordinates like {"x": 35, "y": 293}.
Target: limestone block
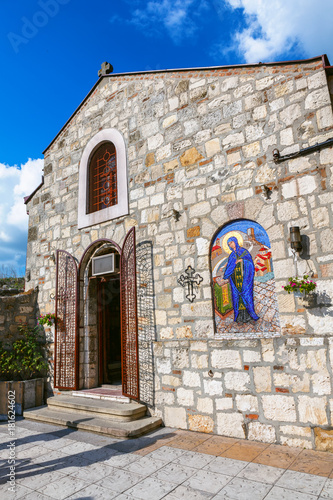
{"x": 267, "y": 350}
{"x": 229, "y": 83}
{"x": 287, "y": 137}
{"x": 299, "y": 164}
{"x": 190, "y": 157}
{"x": 171, "y": 380}
{"x": 163, "y": 365}
{"x": 170, "y": 120}
{"x": 230, "y": 424}
{"x": 237, "y": 381}
{"x": 226, "y": 358}
{"x": 296, "y": 430}
{"x": 201, "y": 423}
{"x": 277, "y": 104}
{"x": 251, "y": 357}
{"x": 164, "y": 301}
{"x": 180, "y": 358}
{"x": 296, "y": 442}
{"x": 175, "y": 417}
{"x": 164, "y": 398}
{"x": 232, "y": 140}
{"x": 170, "y": 166}
{"x": 246, "y": 402}
{"x": 166, "y": 333}
{"x": 259, "y": 113}
{"x": 232, "y": 109}
{"x": 287, "y": 210}
{"x": 251, "y": 150}
{"x": 290, "y": 114}
{"x": 243, "y": 178}
{"x": 213, "y": 387}
{"x": 323, "y": 439}
{"x": 254, "y": 132}
{"x": 199, "y": 361}
{"x": 320, "y": 217}
{"x": 185, "y": 397}
{"x": 191, "y": 379}
{"x": 202, "y": 246}
{"x": 184, "y": 332}
{"x": 155, "y": 141}
{"x": 205, "y": 405}
{"x": 200, "y": 209}
{"x": 262, "y": 378}
{"x": 280, "y": 408}
{"x": 261, "y": 432}
{"x": 243, "y": 90}
{"x": 197, "y": 309}
{"x": 321, "y": 383}
{"x": 326, "y": 156}
{"x": 264, "y": 83}
{"x": 162, "y": 153}
{"x": 317, "y": 98}
{"x": 324, "y": 117}
{"x": 160, "y": 317}
{"x": 317, "y": 80}
{"x": 312, "y": 410}
{"x": 224, "y": 403}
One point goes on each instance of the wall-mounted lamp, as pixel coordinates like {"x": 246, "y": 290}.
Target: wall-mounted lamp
{"x": 53, "y": 258}
{"x": 295, "y": 239}
{"x": 276, "y": 155}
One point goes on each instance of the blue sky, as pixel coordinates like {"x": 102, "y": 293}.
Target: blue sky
{"x": 51, "y": 50}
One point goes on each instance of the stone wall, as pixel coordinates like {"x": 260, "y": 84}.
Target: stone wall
{"x": 200, "y": 142}
{"x": 16, "y": 310}
{"x": 271, "y": 390}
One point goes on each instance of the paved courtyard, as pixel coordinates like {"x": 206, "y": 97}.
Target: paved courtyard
{"x": 56, "y": 462}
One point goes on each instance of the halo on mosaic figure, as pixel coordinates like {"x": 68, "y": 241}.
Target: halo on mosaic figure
{"x": 237, "y": 235}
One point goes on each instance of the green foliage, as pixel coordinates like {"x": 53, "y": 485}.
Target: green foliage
{"x": 47, "y": 319}
{"x": 300, "y": 285}
{"x": 24, "y": 358}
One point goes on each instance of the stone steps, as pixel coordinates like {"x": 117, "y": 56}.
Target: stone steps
{"x": 119, "y": 420}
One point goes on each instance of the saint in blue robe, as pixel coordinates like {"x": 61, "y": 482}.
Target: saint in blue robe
{"x": 240, "y": 272}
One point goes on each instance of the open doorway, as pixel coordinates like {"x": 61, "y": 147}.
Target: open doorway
{"x": 109, "y": 329}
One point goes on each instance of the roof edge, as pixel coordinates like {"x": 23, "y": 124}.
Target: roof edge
{"x": 322, "y": 57}
{"x": 28, "y": 198}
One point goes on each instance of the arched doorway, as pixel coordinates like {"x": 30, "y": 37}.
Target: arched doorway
{"x": 98, "y": 334}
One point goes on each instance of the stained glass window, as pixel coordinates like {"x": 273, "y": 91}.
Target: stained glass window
{"x": 102, "y": 184}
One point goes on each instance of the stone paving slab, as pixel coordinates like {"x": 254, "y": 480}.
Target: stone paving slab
{"x": 57, "y": 463}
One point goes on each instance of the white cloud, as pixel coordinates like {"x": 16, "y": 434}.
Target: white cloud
{"x": 177, "y": 17}
{"x": 15, "y": 183}
{"x": 277, "y": 27}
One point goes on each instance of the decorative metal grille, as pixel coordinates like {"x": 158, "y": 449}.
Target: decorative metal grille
{"x": 146, "y": 324}
{"x": 129, "y": 325}
{"x": 103, "y": 178}
{"x": 66, "y": 342}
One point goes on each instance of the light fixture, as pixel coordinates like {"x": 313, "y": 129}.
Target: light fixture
{"x": 52, "y": 257}
{"x": 295, "y": 239}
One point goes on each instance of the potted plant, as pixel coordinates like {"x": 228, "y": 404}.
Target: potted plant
{"x": 23, "y": 367}
{"x": 47, "y": 319}
{"x": 301, "y": 286}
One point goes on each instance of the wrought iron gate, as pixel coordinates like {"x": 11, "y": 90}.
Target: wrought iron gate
{"x": 129, "y": 323}
{"x": 66, "y": 341}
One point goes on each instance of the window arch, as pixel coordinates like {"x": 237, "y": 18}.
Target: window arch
{"x": 243, "y": 286}
{"x": 103, "y": 192}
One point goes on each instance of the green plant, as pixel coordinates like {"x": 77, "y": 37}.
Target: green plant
{"x": 300, "y": 285}
{"x": 24, "y": 358}
{"x": 47, "y": 319}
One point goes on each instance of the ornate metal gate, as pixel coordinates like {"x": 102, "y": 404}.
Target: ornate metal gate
{"x": 66, "y": 341}
{"x": 129, "y": 322}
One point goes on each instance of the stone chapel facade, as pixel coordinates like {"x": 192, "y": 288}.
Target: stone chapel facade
{"x": 185, "y": 183}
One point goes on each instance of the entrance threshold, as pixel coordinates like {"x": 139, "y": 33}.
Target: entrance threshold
{"x": 106, "y": 392}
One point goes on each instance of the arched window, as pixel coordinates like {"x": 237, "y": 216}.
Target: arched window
{"x": 102, "y": 184}
{"x": 103, "y": 192}
{"x": 244, "y": 297}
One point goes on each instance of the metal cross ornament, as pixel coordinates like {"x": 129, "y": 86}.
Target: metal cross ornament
{"x": 190, "y": 281}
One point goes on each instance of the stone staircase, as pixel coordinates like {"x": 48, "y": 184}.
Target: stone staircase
{"x": 122, "y": 420}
